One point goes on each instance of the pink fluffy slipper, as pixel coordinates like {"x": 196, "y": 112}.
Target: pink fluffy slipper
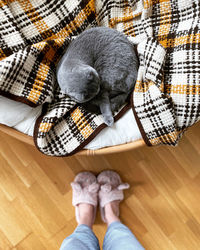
{"x": 85, "y": 190}
{"x": 111, "y": 189}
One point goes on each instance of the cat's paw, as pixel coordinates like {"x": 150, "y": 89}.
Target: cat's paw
{"x": 108, "y": 120}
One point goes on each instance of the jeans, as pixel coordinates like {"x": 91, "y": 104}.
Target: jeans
{"x": 118, "y": 237}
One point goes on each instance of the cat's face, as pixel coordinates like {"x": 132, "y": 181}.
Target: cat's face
{"x": 81, "y": 84}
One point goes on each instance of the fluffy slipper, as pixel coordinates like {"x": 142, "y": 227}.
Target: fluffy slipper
{"x": 85, "y": 190}
{"x": 111, "y": 189}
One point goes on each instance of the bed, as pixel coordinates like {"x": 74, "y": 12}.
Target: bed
{"x": 166, "y": 98}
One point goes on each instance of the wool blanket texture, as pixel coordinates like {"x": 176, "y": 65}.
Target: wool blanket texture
{"x": 166, "y": 100}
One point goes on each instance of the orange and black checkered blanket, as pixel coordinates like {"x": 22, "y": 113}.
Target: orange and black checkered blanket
{"x": 166, "y": 101}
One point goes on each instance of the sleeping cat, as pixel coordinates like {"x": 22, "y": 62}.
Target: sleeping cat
{"x": 99, "y": 70}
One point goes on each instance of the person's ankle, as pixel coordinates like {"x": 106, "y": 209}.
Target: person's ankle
{"x": 86, "y": 214}
{"x": 112, "y": 219}
{"x": 111, "y": 211}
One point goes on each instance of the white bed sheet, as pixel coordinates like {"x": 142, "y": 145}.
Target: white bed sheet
{"x": 23, "y": 118}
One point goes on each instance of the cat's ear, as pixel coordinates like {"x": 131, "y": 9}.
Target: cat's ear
{"x": 92, "y": 74}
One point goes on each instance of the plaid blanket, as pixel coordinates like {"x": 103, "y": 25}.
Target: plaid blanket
{"x": 35, "y": 33}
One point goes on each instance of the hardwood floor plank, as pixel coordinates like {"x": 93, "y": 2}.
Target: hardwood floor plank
{"x": 63, "y": 203}
{"x": 30, "y": 242}
{"x": 4, "y": 242}
{"x": 39, "y": 201}
{"x": 10, "y": 183}
{"x": 190, "y": 196}
{"x": 184, "y": 239}
{"x": 16, "y": 165}
{"x": 175, "y": 167}
{"x": 14, "y": 227}
{"x": 151, "y": 225}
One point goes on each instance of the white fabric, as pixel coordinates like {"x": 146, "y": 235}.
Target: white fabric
{"x": 18, "y": 115}
{"x": 23, "y": 118}
{"x": 123, "y": 131}
{"x": 12, "y": 112}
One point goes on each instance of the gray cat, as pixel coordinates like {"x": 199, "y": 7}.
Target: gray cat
{"x": 99, "y": 70}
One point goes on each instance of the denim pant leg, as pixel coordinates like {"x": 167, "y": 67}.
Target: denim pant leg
{"x": 82, "y": 238}
{"x": 119, "y": 237}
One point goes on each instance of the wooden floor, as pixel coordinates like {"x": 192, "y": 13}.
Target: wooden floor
{"x": 162, "y": 207}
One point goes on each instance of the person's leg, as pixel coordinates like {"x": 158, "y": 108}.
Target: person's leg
{"x": 83, "y": 237}
{"x": 118, "y": 236}
{"x": 85, "y": 198}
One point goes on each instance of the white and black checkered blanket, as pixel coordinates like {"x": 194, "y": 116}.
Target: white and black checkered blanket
{"x": 166, "y": 98}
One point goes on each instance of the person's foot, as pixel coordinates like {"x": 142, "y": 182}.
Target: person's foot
{"x": 86, "y": 214}
{"x": 111, "y": 212}
{"x": 110, "y": 195}
{"x": 85, "y": 197}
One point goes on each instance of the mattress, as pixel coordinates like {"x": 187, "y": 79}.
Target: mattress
{"x": 22, "y": 117}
